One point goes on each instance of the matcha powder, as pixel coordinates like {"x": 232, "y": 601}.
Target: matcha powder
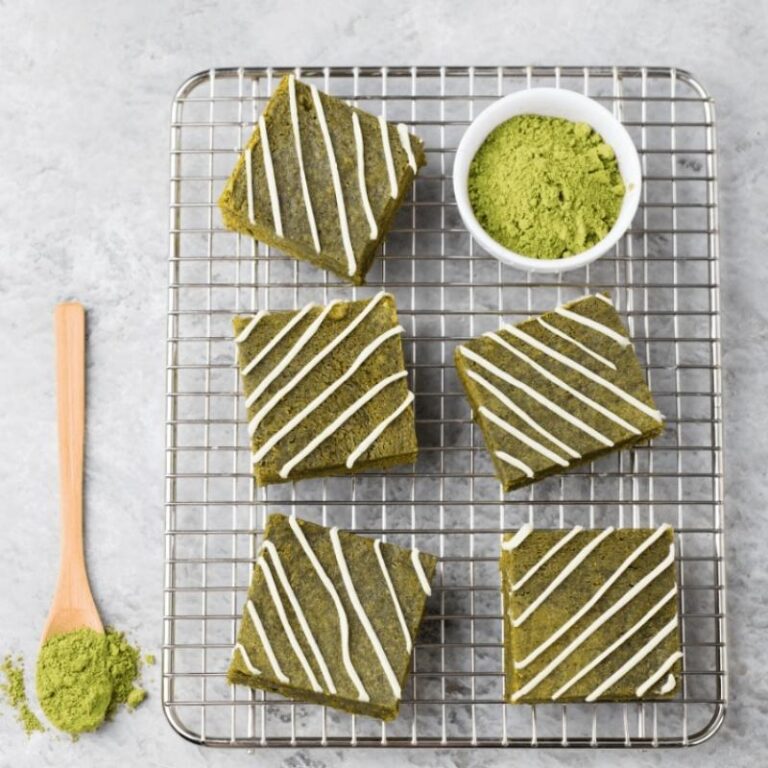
{"x": 545, "y": 187}
{"x": 84, "y": 676}
{"x": 12, "y": 687}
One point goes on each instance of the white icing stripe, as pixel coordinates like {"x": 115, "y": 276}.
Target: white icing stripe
{"x": 249, "y": 183}
{"x": 668, "y": 663}
{"x": 246, "y": 659}
{"x": 522, "y": 534}
{"x": 393, "y": 595}
{"x": 287, "y": 628}
{"x": 303, "y": 623}
{"x": 596, "y": 624}
{"x": 562, "y": 576}
{"x": 583, "y": 347}
{"x": 655, "y": 641}
{"x": 419, "y": 568}
{"x": 603, "y": 297}
{"x": 265, "y": 644}
{"x": 343, "y": 223}
{"x": 344, "y": 416}
{"x": 594, "y": 325}
{"x": 615, "y": 644}
{"x": 520, "y": 413}
{"x": 573, "y": 365}
{"x": 513, "y": 462}
{"x": 405, "y": 141}
{"x": 615, "y": 576}
{"x": 300, "y": 157}
{"x": 521, "y": 436}
{"x": 378, "y": 648}
{"x": 319, "y": 357}
{"x": 546, "y": 557}
{"x": 378, "y": 431}
{"x": 532, "y": 393}
{"x": 271, "y": 181}
{"x": 326, "y": 393}
{"x": 388, "y": 157}
{"x": 669, "y": 684}
{"x": 285, "y": 361}
{"x": 373, "y": 228}
{"x": 248, "y": 330}
{"x": 565, "y": 386}
{"x": 362, "y": 694}
{"x": 276, "y": 339}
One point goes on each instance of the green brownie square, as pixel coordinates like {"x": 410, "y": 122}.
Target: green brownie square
{"x": 557, "y": 390}
{"x": 321, "y": 180}
{"x": 326, "y": 389}
{"x": 590, "y": 615}
{"x": 331, "y": 617}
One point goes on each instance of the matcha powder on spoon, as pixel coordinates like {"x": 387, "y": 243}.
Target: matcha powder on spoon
{"x": 545, "y": 187}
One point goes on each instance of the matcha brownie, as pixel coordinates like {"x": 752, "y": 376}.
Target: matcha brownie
{"x": 590, "y": 615}
{"x": 321, "y": 180}
{"x": 331, "y": 617}
{"x": 326, "y": 389}
{"x": 557, "y": 390}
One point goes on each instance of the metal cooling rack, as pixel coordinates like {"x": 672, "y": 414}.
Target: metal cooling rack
{"x": 664, "y": 279}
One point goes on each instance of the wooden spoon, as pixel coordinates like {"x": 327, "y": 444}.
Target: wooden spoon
{"x": 73, "y": 606}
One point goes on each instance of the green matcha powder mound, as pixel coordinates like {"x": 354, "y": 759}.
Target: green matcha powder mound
{"x": 545, "y": 187}
{"x": 84, "y": 676}
{"x": 16, "y": 694}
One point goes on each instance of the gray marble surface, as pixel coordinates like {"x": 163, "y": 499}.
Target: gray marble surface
{"x": 84, "y": 105}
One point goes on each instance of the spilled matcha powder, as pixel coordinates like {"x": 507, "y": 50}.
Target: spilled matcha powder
{"x": 545, "y": 187}
{"x": 83, "y": 677}
{"x": 13, "y": 689}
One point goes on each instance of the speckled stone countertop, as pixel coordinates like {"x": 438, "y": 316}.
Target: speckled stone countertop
{"x": 84, "y": 107}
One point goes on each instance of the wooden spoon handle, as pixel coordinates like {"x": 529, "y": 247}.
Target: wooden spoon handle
{"x": 69, "y": 320}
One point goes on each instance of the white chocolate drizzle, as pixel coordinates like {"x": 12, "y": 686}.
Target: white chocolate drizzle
{"x": 277, "y": 338}
{"x": 636, "y": 627}
{"x": 655, "y": 641}
{"x": 285, "y": 361}
{"x": 266, "y": 645}
{"x": 535, "y": 395}
{"x": 362, "y": 694}
{"x": 562, "y": 576}
{"x": 546, "y": 557}
{"x": 248, "y": 330}
{"x": 373, "y": 228}
{"x": 303, "y": 623}
{"x": 343, "y": 417}
{"x": 287, "y": 628}
{"x": 520, "y": 536}
{"x": 364, "y": 355}
{"x": 668, "y": 663}
{"x": 520, "y": 413}
{"x": 564, "y": 385}
{"x": 249, "y": 183}
{"x": 321, "y": 355}
{"x": 603, "y": 297}
{"x": 393, "y": 595}
{"x": 615, "y": 576}
{"x": 586, "y": 372}
{"x": 596, "y": 624}
{"x": 513, "y": 462}
{"x": 583, "y": 347}
{"x": 300, "y": 156}
{"x": 420, "y": 574}
{"x": 378, "y": 649}
{"x": 594, "y": 325}
{"x": 385, "y": 142}
{"x": 343, "y": 223}
{"x": 246, "y": 658}
{"x": 405, "y": 141}
{"x": 376, "y": 433}
{"x": 521, "y": 436}
{"x": 271, "y": 181}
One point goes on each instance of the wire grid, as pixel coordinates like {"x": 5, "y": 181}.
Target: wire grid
{"x": 664, "y": 279}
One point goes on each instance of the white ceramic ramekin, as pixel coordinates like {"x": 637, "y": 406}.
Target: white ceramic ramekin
{"x": 552, "y": 102}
